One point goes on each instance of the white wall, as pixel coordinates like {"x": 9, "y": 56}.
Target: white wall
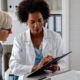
{"x": 65, "y": 27}
{"x": 75, "y": 34}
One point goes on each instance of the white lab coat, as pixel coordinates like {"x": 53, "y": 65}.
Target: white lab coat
{"x": 23, "y": 55}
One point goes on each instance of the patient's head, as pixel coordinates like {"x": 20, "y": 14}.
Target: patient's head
{"x": 5, "y": 25}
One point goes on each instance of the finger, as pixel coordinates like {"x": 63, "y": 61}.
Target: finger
{"x": 49, "y": 68}
{"x": 54, "y": 65}
{"x": 45, "y": 60}
{"x": 52, "y": 69}
{"x": 57, "y": 62}
{"x": 49, "y": 56}
{"x": 55, "y": 68}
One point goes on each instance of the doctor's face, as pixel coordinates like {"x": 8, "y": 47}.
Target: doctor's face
{"x": 35, "y": 22}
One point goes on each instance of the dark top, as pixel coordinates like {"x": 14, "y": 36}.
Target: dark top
{"x": 1, "y": 53}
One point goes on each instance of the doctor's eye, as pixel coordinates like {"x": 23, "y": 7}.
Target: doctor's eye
{"x": 32, "y": 22}
{"x": 39, "y": 20}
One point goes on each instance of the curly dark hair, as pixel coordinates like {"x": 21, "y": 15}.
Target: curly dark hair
{"x": 30, "y": 6}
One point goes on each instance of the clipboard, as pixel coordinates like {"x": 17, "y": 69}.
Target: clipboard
{"x": 41, "y": 70}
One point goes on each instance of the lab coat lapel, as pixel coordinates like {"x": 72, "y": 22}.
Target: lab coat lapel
{"x": 30, "y": 44}
{"x": 27, "y": 37}
{"x": 44, "y": 43}
{"x": 45, "y": 39}
{"x": 29, "y": 47}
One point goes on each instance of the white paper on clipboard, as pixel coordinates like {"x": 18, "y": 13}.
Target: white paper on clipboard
{"x": 51, "y": 23}
{"x": 58, "y": 23}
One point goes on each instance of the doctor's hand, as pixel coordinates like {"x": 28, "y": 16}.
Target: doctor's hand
{"x": 54, "y": 67}
{"x": 44, "y": 61}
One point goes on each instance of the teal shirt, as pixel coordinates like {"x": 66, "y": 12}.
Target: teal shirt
{"x": 38, "y": 53}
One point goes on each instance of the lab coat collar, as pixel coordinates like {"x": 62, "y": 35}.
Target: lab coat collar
{"x": 28, "y": 36}
{"x": 45, "y": 33}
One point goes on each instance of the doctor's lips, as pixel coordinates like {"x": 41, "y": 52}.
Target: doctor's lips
{"x": 37, "y": 30}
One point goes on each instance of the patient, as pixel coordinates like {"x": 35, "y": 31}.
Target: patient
{"x": 5, "y": 30}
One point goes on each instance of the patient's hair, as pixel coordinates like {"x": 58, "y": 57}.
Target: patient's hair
{"x": 5, "y": 20}
{"x": 30, "y": 6}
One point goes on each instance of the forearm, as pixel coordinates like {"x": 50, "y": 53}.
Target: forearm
{"x": 18, "y": 68}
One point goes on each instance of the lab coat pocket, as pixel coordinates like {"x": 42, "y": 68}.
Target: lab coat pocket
{"x": 53, "y": 53}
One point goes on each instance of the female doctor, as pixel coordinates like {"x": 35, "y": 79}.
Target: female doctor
{"x": 35, "y": 47}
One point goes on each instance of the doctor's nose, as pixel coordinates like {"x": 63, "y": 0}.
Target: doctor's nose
{"x": 36, "y": 25}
